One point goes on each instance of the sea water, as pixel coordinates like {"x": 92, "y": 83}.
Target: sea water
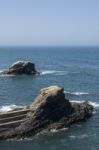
{"x": 74, "y": 68}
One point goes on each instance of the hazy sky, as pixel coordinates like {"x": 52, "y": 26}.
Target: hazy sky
{"x": 49, "y": 22}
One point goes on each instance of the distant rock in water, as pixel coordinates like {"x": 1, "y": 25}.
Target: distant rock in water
{"x": 50, "y": 110}
{"x": 21, "y": 67}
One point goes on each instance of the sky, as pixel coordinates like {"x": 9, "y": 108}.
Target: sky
{"x": 49, "y": 22}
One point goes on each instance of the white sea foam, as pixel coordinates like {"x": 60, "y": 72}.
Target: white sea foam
{"x": 0, "y": 71}
{"x": 10, "y": 107}
{"x": 54, "y": 130}
{"x": 77, "y": 101}
{"x": 57, "y": 130}
{"x": 4, "y": 75}
{"x": 79, "y": 136}
{"x": 54, "y": 72}
{"x": 82, "y": 136}
{"x": 94, "y": 112}
{"x": 76, "y": 93}
{"x": 94, "y": 104}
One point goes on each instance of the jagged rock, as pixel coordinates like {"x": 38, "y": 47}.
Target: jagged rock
{"x": 50, "y": 110}
{"x": 21, "y": 67}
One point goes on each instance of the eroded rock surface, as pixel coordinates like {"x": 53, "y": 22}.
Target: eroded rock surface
{"x": 50, "y": 110}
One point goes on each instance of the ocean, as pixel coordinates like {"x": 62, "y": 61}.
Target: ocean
{"x": 74, "y": 68}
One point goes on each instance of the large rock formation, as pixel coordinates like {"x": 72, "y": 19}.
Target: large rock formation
{"x": 50, "y": 110}
{"x": 21, "y": 67}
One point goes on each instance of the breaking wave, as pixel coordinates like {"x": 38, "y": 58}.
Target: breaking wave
{"x": 1, "y": 71}
{"x": 79, "y": 136}
{"x": 57, "y": 130}
{"x": 10, "y": 107}
{"x": 54, "y": 72}
{"x": 76, "y": 93}
{"x": 4, "y": 75}
{"x": 82, "y": 136}
{"x": 94, "y": 104}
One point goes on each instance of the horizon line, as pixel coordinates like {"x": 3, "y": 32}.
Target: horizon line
{"x": 49, "y": 45}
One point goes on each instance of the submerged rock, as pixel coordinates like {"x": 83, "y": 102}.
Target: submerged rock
{"x": 50, "y": 110}
{"x": 21, "y": 67}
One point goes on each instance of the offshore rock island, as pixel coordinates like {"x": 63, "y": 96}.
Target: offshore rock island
{"x": 50, "y": 110}
{"x": 21, "y": 67}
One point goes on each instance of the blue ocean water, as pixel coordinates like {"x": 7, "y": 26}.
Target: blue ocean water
{"x": 74, "y": 68}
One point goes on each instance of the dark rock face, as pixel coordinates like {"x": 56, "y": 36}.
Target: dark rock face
{"x": 22, "y": 67}
{"x": 50, "y": 110}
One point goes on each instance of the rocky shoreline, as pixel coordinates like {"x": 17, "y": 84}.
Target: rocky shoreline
{"x": 50, "y": 110}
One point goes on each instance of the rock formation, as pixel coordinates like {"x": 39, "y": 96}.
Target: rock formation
{"x": 21, "y": 67}
{"x": 50, "y": 110}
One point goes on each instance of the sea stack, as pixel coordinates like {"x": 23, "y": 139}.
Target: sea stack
{"x": 22, "y": 67}
{"x": 50, "y": 110}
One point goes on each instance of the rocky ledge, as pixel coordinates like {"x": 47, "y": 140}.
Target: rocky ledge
{"x": 50, "y": 110}
{"x": 21, "y": 67}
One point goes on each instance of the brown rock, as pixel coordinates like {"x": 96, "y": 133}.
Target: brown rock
{"x": 50, "y": 110}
